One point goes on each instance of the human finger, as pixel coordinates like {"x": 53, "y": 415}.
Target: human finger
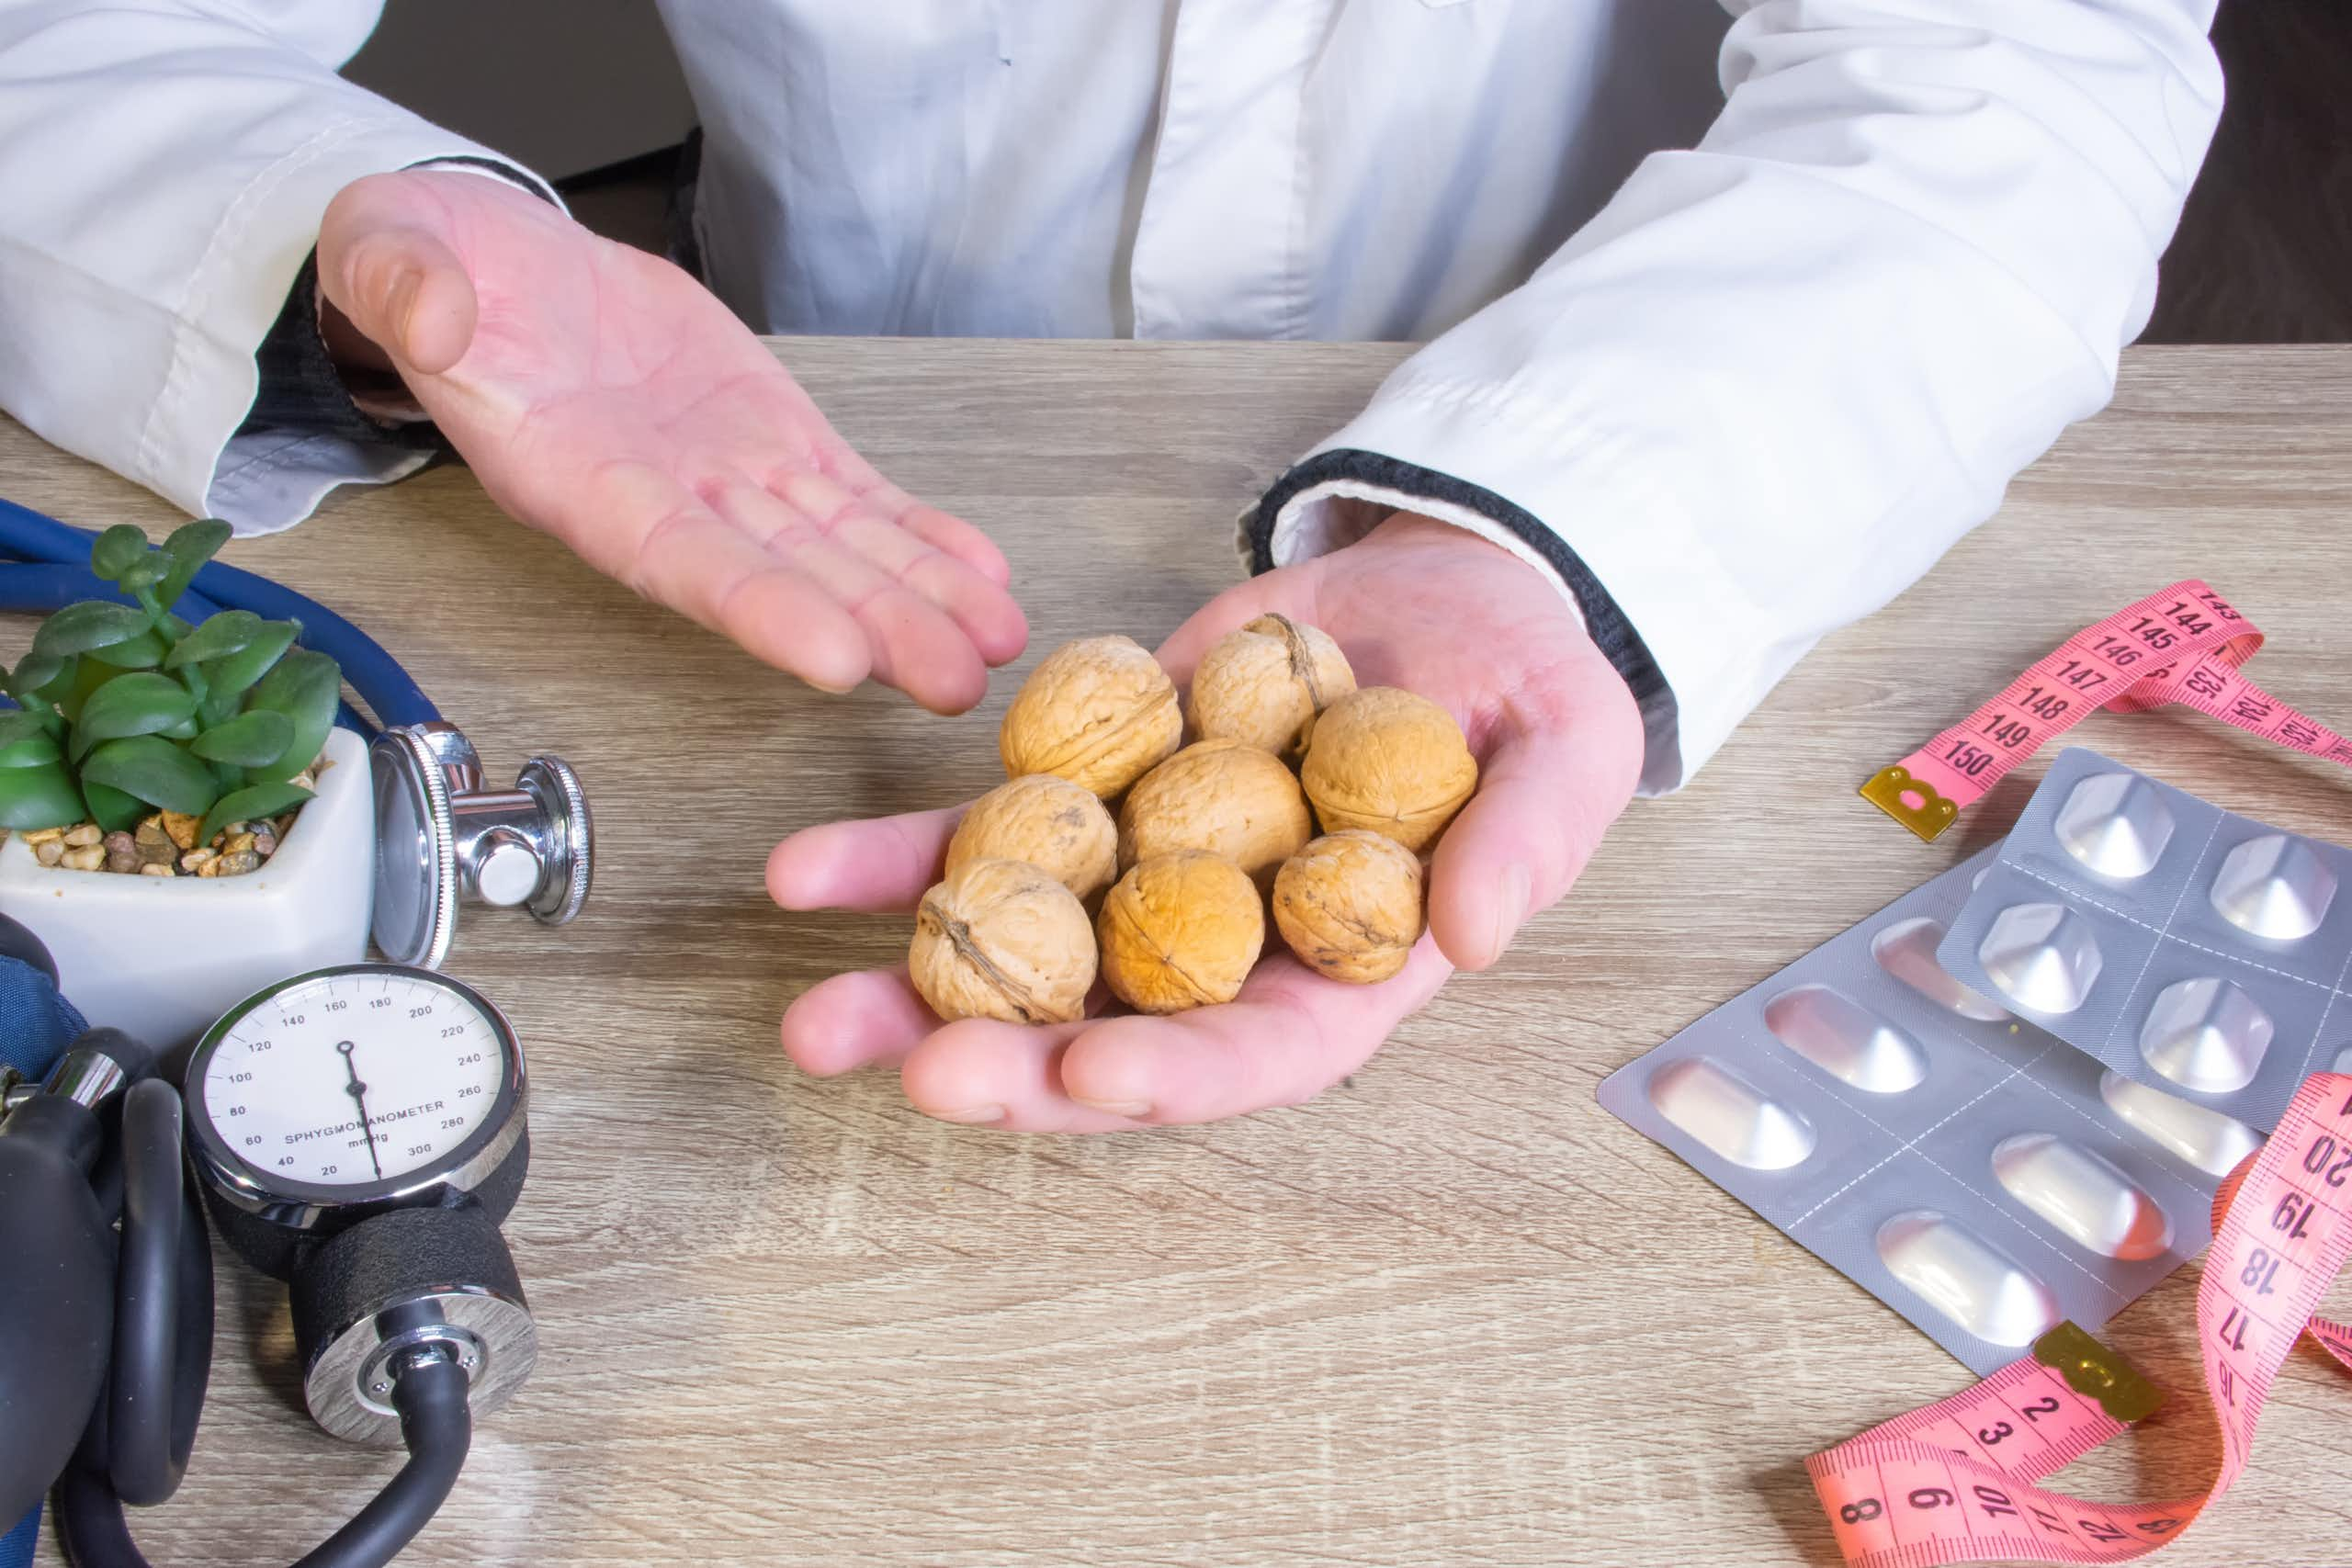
{"x": 855, "y": 1020}
{"x": 387, "y": 262}
{"x": 1546, "y": 794}
{"x": 1288, "y": 1036}
{"x": 880, "y": 866}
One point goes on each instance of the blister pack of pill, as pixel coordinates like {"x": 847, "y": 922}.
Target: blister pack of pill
{"x": 2187, "y": 948}
{"x": 1979, "y": 1176}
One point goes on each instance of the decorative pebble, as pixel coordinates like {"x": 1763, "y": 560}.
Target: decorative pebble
{"x": 49, "y": 851}
{"x": 82, "y": 837}
{"x": 122, "y": 855}
{"x": 155, "y": 846}
{"x": 44, "y": 835}
{"x": 264, "y": 843}
{"x": 235, "y": 864}
{"x": 238, "y": 843}
{"x": 86, "y": 858}
{"x": 197, "y": 860}
{"x": 151, "y": 869}
{"x": 182, "y": 827}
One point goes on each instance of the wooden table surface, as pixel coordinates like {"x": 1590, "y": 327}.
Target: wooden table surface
{"x": 1450, "y": 1314}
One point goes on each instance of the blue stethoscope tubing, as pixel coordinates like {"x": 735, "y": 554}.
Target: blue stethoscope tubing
{"x": 44, "y": 565}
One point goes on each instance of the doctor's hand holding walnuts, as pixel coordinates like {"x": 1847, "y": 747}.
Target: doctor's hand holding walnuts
{"x": 1415, "y": 604}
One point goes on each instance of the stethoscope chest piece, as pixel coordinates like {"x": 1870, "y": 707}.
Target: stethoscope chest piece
{"x": 442, "y": 840}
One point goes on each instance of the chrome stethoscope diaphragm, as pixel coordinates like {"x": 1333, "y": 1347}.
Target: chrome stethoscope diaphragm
{"x": 442, "y": 839}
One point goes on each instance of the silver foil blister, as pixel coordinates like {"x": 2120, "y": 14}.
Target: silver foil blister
{"x": 1968, "y": 1168}
{"x": 2187, "y": 949}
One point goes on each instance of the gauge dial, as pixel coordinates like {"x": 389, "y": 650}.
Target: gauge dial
{"x": 367, "y": 1076}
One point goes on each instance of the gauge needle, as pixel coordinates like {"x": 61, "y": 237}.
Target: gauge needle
{"x": 358, "y": 1092}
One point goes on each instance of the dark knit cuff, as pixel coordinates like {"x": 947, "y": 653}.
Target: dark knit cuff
{"x": 1607, "y": 625}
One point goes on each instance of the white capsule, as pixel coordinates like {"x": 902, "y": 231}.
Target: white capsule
{"x": 2205, "y": 1034}
{"x": 2273, "y": 886}
{"x": 2043, "y": 956}
{"x": 1730, "y": 1115}
{"x": 2116, "y": 824}
{"x": 2204, "y": 1137}
{"x": 1966, "y": 1278}
{"x": 1906, "y": 950}
{"x": 1845, "y": 1039}
{"x": 2082, "y": 1195}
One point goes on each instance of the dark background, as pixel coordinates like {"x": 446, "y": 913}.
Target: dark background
{"x": 587, "y": 92}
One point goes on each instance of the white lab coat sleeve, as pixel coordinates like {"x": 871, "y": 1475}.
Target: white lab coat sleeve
{"x": 1781, "y": 373}
{"x": 163, "y": 165}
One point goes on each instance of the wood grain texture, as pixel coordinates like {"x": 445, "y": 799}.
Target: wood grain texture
{"x": 1451, "y": 1314}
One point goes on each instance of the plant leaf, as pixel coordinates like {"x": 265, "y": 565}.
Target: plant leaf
{"x": 42, "y": 796}
{"x": 130, "y": 704}
{"x": 110, "y": 808}
{"x": 145, "y": 572}
{"x": 245, "y": 805}
{"x": 29, "y": 750}
{"x": 190, "y": 545}
{"x": 141, "y": 652}
{"x": 59, "y": 685}
{"x": 220, "y": 636}
{"x": 232, "y": 673}
{"x": 88, "y": 624}
{"x": 252, "y": 740}
{"x": 32, "y": 672}
{"x": 117, "y": 548}
{"x": 16, "y": 724}
{"x": 305, "y": 686}
{"x": 156, "y": 770}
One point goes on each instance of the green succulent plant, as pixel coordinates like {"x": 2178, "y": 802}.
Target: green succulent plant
{"x": 124, "y": 709}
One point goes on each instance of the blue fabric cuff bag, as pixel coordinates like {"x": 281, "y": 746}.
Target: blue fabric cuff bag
{"x": 36, "y": 1025}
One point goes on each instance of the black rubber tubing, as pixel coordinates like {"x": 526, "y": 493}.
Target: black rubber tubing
{"x": 438, "y": 1426}
{"x": 435, "y": 1423}
{"x": 147, "y": 1300}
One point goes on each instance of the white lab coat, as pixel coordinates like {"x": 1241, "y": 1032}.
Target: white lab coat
{"x": 1868, "y": 269}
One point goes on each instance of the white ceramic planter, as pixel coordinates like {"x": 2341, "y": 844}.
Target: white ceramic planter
{"x": 163, "y": 958}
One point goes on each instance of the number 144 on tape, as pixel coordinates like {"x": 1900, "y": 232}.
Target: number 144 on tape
{"x": 2183, "y": 644}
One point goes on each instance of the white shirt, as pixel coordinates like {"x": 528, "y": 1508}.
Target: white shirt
{"x": 1757, "y": 388}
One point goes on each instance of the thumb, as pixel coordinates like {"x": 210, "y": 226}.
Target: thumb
{"x": 1546, "y": 795}
{"x": 385, "y": 261}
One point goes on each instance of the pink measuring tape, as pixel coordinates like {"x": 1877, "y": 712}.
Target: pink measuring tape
{"x": 1950, "y": 1482}
{"x": 2183, "y": 644}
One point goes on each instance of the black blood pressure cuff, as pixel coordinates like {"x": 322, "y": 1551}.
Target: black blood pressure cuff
{"x": 302, "y": 392}
{"x": 1606, "y": 623}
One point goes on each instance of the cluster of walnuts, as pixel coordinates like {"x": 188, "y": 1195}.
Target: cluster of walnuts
{"x": 1205, "y": 833}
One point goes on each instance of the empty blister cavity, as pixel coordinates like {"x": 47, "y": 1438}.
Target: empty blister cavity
{"x": 2044, "y": 957}
{"x": 1906, "y": 950}
{"x": 1730, "y": 1115}
{"x": 2273, "y": 886}
{"x": 2082, "y": 1195}
{"x": 1845, "y": 1039}
{"x": 2116, "y": 824}
{"x": 1966, "y": 1278}
{"x": 2203, "y": 1136}
{"x": 2205, "y": 1034}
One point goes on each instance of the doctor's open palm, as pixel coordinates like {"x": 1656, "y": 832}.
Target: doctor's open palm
{"x": 603, "y": 395}
{"x": 1416, "y": 603}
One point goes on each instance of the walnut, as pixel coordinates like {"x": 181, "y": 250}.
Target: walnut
{"x": 1390, "y": 761}
{"x": 1101, "y": 712}
{"x": 1263, "y": 684}
{"x": 1349, "y": 906}
{"x": 1002, "y": 938}
{"x": 1219, "y": 795}
{"x": 1055, "y": 825}
{"x": 1180, "y": 931}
